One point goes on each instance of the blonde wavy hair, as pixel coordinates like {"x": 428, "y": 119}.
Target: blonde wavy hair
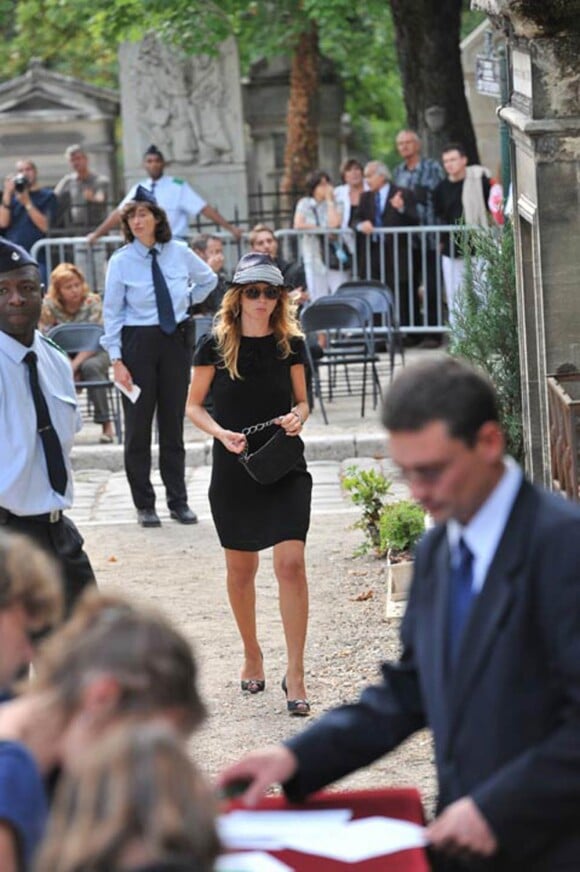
{"x": 61, "y": 274}
{"x": 228, "y": 326}
{"x": 137, "y": 788}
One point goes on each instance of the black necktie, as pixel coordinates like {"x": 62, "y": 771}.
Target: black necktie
{"x": 153, "y": 183}
{"x": 461, "y": 595}
{"x": 164, "y": 305}
{"x": 50, "y": 441}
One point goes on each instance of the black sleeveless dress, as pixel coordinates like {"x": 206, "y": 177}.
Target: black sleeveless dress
{"x": 251, "y": 516}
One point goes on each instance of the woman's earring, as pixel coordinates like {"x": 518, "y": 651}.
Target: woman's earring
{"x": 236, "y": 311}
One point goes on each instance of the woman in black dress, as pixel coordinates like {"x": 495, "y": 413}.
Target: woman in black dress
{"x": 253, "y": 361}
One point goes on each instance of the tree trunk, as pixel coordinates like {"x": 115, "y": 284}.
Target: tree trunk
{"x": 427, "y": 36}
{"x": 301, "y": 154}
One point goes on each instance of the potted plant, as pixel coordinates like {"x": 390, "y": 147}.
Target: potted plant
{"x": 368, "y": 489}
{"x": 401, "y": 525}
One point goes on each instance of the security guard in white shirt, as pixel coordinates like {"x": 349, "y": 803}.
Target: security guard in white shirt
{"x": 38, "y": 421}
{"x": 175, "y": 196}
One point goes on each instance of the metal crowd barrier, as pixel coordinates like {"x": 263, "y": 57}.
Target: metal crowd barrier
{"x": 408, "y": 262}
{"x": 92, "y": 259}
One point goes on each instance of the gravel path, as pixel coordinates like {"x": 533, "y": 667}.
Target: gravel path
{"x": 181, "y": 570}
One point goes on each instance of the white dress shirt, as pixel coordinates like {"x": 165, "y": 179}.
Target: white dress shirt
{"x": 130, "y": 299}
{"x": 484, "y": 531}
{"x": 25, "y": 488}
{"x": 176, "y": 197}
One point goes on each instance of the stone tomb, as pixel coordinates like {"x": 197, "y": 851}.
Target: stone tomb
{"x": 42, "y": 112}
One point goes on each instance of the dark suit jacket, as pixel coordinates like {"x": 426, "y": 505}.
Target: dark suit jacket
{"x": 390, "y": 218}
{"x": 506, "y": 723}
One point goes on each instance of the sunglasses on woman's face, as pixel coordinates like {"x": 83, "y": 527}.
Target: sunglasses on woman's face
{"x": 270, "y": 293}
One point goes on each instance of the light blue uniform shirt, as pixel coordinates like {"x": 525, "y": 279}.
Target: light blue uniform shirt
{"x": 25, "y": 488}
{"x": 130, "y": 294}
{"x": 176, "y": 198}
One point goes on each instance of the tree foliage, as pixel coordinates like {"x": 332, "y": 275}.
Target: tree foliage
{"x": 81, "y": 38}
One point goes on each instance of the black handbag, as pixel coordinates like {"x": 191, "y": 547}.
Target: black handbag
{"x": 275, "y": 459}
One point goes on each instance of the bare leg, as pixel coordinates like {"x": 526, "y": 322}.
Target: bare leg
{"x": 290, "y": 571}
{"x": 241, "y": 573}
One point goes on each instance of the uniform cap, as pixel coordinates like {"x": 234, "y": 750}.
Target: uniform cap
{"x": 154, "y": 150}
{"x": 13, "y": 256}
{"x": 142, "y": 195}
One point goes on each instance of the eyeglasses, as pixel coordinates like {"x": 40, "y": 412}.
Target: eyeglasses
{"x": 270, "y": 293}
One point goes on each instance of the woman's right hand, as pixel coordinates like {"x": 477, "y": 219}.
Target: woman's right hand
{"x": 122, "y": 375}
{"x": 234, "y": 442}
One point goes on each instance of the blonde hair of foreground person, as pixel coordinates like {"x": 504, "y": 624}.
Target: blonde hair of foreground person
{"x": 29, "y": 577}
{"x": 150, "y": 660}
{"x": 136, "y": 800}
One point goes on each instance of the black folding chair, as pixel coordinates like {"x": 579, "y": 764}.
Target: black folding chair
{"x": 350, "y": 346}
{"x": 381, "y": 298}
{"x": 84, "y": 336}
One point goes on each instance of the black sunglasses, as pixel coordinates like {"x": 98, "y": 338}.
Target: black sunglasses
{"x": 270, "y": 293}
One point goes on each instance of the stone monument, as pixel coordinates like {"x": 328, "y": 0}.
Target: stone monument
{"x": 190, "y": 107}
{"x": 543, "y": 115}
{"x": 43, "y": 112}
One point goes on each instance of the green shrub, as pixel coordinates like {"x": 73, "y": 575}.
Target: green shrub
{"x": 401, "y": 525}
{"x": 367, "y": 488}
{"x": 485, "y": 328}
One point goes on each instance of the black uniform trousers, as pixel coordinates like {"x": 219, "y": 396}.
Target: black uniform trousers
{"x": 63, "y": 542}
{"x": 161, "y": 366}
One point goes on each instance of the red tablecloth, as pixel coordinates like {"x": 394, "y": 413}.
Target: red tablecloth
{"x": 403, "y": 803}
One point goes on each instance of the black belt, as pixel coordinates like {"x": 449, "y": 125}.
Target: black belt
{"x": 47, "y": 518}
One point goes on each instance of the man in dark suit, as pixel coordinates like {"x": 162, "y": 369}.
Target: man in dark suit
{"x": 491, "y": 644}
{"x": 379, "y": 256}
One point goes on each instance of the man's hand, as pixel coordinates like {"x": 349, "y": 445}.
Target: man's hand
{"x": 8, "y": 189}
{"x": 462, "y": 830}
{"x": 366, "y": 227}
{"x": 274, "y": 764}
{"x": 397, "y": 201}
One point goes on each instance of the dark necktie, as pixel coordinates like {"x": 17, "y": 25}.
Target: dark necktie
{"x": 153, "y": 183}
{"x": 378, "y": 215}
{"x": 164, "y": 305}
{"x": 461, "y": 596}
{"x": 50, "y": 441}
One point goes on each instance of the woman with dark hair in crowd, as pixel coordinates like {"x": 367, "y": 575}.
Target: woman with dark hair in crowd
{"x": 151, "y": 283}
{"x": 69, "y": 301}
{"x": 318, "y": 210}
{"x": 137, "y": 803}
{"x": 253, "y": 362}
{"x": 111, "y": 664}
{"x": 348, "y": 194}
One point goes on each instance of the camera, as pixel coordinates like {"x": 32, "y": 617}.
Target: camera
{"x": 20, "y": 183}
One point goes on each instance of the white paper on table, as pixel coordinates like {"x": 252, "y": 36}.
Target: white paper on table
{"x": 133, "y": 394}
{"x": 272, "y": 829}
{"x": 250, "y": 861}
{"x": 360, "y": 839}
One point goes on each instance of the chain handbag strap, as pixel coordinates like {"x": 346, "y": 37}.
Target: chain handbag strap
{"x": 257, "y": 428}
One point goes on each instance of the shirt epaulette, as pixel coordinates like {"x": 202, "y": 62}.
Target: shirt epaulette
{"x": 54, "y": 345}
{"x": 178, "y": 181}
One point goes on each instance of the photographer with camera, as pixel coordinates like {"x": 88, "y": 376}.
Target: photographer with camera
{"x": 27, "y": 211}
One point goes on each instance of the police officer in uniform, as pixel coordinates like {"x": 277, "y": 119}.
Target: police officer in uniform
{"x": 151, "y": 283}
{"x": 38, "y": 422}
